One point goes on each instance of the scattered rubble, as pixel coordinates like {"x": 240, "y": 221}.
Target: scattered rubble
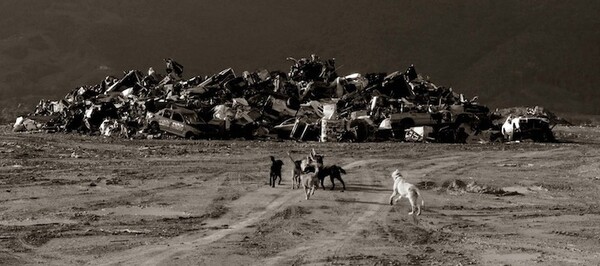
{"x": 310, "y": 102}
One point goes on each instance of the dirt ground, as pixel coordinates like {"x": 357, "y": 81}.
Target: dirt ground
{"x": 77, "y": 200}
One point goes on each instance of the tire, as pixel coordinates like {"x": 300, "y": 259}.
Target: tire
{"x": 549, "y": 136}
{"x": 461, "y": 133}
{"x": 362, "y": 133}
{"x": 191, "y": 136}
{"x": 404, "y": 124}
{"x": 546, "y": 136}
{"x": 446, "y": 135}
{"x": 154, "y": 128}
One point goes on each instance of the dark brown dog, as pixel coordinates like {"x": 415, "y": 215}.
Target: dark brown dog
{"x": 275, "y": 173}
{"x": 333, "y": 171}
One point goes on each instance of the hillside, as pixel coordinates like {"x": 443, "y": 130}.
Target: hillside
{"x": 509, "y": 53}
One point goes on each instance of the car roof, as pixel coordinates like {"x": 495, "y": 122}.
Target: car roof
{"x": 180, "y": 110}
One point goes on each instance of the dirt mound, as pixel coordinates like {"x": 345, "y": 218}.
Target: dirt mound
{"x": 426, "y": 185}
{"x": 289, "y": 221}
{"x": 458, "y": 185}
{"x": 281, "y": 231}
{"x": 291, "y": 212}
{"x": 455, "y": 184}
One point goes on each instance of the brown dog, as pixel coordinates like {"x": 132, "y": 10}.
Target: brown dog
{"x": 301, "y": 166}
{"x": 310, "y": 182}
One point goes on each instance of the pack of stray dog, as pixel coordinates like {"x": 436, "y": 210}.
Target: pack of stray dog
{"x": 308, "y": 172}
{"x": 333, "y": 171}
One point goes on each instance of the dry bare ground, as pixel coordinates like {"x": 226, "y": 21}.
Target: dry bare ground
{"x": 81, "y": 200}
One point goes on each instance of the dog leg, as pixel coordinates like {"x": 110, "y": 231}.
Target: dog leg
{"x": 306, "y": 192}
{"x": 392, "y": 197}
{"x": 415, "y": 220}
{"x": 412, "y": 205}
{"x": 274, "y": 178}
{"x": 331, "y": 178}
{"x": 343, "y": 184}
{"x": 398, "y": 198}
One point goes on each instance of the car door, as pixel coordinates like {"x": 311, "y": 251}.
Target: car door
{"x": 422, "y": 119}
{"x": 177, "y": 124}
{"x": 164, "y": 120}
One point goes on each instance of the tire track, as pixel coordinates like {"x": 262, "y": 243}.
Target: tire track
{"x": 313, "y": 253}
{"x": 160, "y": 254}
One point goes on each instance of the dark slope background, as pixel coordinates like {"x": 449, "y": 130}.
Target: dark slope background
{"x": 509, "y": 53}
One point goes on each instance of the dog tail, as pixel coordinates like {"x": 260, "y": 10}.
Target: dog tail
{"x": 422, "y": 201}
{"x": 289, "y": 155}
{"x": 341, "y": 170}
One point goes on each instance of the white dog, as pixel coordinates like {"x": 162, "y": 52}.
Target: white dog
{"x": 404, "y": 189}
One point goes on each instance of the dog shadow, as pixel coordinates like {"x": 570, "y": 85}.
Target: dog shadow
{"x": 365, "y": 188}
{"x": 362, "y": 202}
{"x": 405, "y": 216}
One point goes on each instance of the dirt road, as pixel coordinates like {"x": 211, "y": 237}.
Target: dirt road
{"x": 80, "y": 200}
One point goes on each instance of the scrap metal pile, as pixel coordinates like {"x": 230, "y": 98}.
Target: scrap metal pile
{"x": 310, "y": 102}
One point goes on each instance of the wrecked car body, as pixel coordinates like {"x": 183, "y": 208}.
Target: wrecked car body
{"x": 181, "y": 122}
{"x": 297, "y": 129}
{"x": 527, "y": 127}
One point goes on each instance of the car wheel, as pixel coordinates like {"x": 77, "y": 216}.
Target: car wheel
{"x": 400, "y": 131}
{"x": 463, "y": 132}
{"x": 546, "y": 136}
{"x": 154, "y": 128}
{"x": 190, "y": 135}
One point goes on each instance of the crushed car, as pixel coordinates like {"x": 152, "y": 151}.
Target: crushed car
{"x": 181, "y": 122}
{"x": 527, "y": 127}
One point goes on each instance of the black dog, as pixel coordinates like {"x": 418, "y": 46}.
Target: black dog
{"x": 275, "y": 171}
{"x": 333, "y": 171}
